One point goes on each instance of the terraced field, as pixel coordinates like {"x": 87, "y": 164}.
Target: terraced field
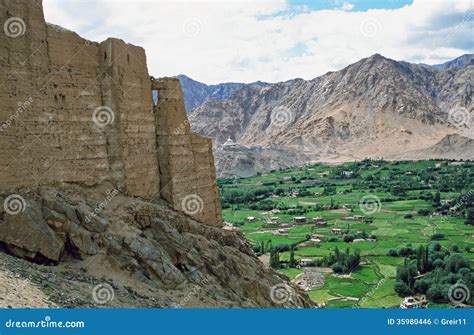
{"x": 393, "y": 203}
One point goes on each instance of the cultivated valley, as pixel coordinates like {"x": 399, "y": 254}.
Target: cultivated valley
{"x": 382, "y": 211}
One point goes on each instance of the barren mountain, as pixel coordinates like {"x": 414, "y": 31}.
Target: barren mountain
{"x": 196, "y": 93}
{"x": 457, "y": 63}
{"x": 377, "y": 107}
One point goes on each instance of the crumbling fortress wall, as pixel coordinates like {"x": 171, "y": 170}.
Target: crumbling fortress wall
{"x": 77, "y": 111}
{"x": 186, "y": 164}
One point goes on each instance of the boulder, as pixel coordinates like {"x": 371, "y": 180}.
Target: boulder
{"x": 28, "y": 231}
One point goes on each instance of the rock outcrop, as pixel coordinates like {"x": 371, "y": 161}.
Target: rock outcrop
{"x": 147, "y": 254}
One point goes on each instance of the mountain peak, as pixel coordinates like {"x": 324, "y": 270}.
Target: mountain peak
{"x": 457, "y": 63}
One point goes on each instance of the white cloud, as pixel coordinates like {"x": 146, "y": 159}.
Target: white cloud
{"x": 217, "y": 41}
{"x": 346, "y": 6}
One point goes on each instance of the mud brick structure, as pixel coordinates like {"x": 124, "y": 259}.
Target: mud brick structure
{"x": 77, "y": 111}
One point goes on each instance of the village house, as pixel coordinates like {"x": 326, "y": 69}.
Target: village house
{"x": 251, "y": 218}
{"x": 411, "y": 302}
{"x": 347, "y": 174}
{"x": 299, "y": 219}
{"x": 306, "y": 262}
{"x": 353, "y": 217}
{"x": 283, "y": 231}
{"x": 356, "y": 240}
{"x": 319, "y": 221}
{"x": 336, "y": 231}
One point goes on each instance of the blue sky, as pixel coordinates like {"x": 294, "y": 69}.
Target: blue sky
{"x": 272, "y": 40}
{"x": 359, "y": 5}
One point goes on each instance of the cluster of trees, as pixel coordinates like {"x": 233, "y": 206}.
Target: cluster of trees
{"x": 340, "y": 261}
{"x": 404, "y": 176}
{"x": 432, "y": 271}
{"x": 351, "y": 236}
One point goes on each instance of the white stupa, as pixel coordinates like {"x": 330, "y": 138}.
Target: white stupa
{"x": 230, "y": 144}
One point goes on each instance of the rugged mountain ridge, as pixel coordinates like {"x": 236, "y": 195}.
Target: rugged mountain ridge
{"x": 377, "y": 107}
{"x": 457, "y": 63}
{"x": 195, "y": 92}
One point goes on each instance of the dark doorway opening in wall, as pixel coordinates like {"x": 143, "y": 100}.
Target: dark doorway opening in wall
{"x": 154, "y": 94}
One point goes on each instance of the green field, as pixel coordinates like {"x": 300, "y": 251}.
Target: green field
{"x": 402, "y": 211}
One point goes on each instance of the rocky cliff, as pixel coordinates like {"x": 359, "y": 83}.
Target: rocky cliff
{"x": 377, "y": 107}
{"x": 105, "y": 187}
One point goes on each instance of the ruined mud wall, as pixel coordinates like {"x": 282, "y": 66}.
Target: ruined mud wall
{"x": 72, "y": 110}
{"x": 187, "y": 172}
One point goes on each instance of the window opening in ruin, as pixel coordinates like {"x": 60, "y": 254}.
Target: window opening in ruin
{"x": 155, "y": 97}
{"x": 128, "y": 59}
{"x": 63, "y": 98}
{"x": 105, "y": 55}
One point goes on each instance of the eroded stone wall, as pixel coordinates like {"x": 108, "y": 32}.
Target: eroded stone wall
{"x": 72, "y": 110}
{"x": 187, "y": 173}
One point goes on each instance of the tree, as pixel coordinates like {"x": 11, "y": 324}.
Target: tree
{"x": 292, "y": 256}
{"x": 274, "y": 258}
{"x": 470, "y": 216}
{"x": 393, "y": 253}
{"x": 437, "y": 199}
